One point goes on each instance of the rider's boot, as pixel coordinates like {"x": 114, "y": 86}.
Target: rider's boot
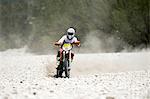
{"x": 59, "y": 72}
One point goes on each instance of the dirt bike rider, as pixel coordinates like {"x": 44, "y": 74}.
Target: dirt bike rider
{"x": 68, "y": 38}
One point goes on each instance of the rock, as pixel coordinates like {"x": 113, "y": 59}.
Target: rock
{"x": 56, "y": 84}
{"x": 51, "y": 91}
{"x": 96, "y": 75}
{"x": 36, "y": 84}
{"x": 14, "y": 91}
{"x": 34, "y": 93}
{"x": 109, "y": 97}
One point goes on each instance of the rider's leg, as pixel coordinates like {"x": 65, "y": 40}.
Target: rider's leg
{"x": 59, "y": 56}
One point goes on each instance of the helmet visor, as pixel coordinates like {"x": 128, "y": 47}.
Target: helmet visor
{"x": 69, "y": 33}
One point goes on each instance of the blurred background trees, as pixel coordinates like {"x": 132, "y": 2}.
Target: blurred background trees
{"x": 132, "y": 20}
{"x": 39, "y": 23}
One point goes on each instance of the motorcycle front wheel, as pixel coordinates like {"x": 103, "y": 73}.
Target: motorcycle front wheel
{"x": 67, "y": 71}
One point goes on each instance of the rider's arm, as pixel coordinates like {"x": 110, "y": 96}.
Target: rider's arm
{"x": 60, "y": 41}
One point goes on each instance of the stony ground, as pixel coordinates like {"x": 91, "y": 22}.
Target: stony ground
{"x": 30, "y": 77}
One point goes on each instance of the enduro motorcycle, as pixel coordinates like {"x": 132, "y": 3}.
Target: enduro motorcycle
{"x": 65, "y": 60}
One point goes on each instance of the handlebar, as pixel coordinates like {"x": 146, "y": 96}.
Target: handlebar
{"x": 74, "y": 43}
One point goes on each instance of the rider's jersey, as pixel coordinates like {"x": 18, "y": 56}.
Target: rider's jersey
{"x": 65, "y": 39}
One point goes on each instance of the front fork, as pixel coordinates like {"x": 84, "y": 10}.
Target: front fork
{"x": 69, "y": 58}
{"x": 62, "y": 58}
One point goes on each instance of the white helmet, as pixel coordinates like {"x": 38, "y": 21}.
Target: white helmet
{"x": 70, "y": 33}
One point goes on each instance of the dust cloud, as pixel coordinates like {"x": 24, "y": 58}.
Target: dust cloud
{"x": 100, "y": 42}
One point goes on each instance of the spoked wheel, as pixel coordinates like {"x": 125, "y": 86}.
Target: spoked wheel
{"x": 67, "y": 71}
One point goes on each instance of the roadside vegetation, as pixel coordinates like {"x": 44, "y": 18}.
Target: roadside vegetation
{"x": 39, "y": 23}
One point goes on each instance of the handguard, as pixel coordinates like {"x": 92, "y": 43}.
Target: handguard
{"x": 57, "y": 44}
{"x": 77, "y": 43}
